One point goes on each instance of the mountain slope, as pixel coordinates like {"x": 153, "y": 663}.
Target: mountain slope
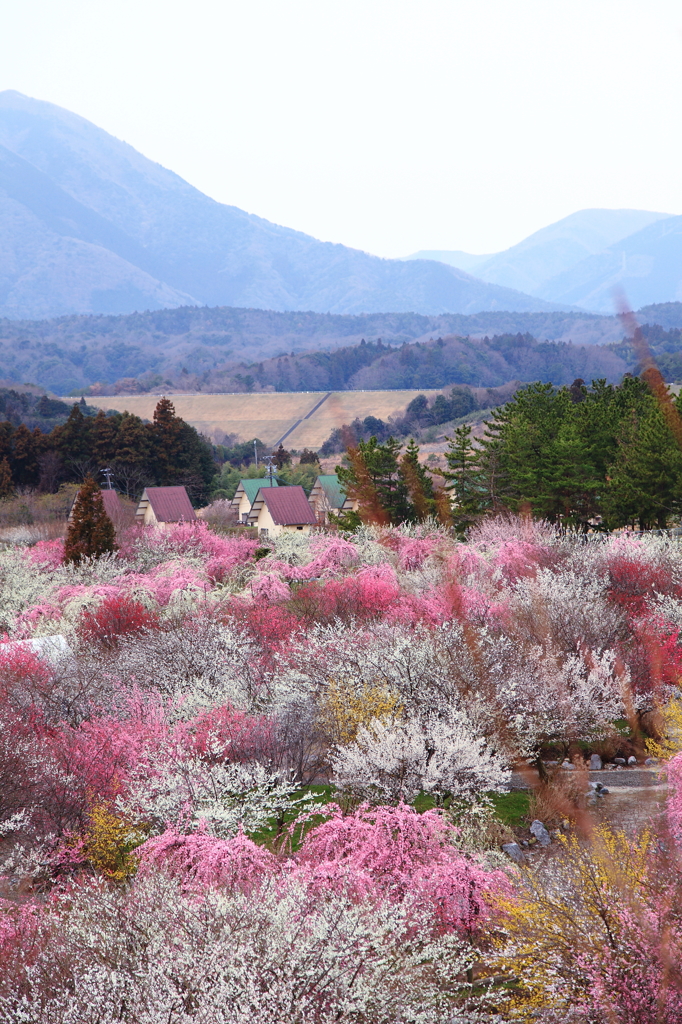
{"x": 557, "y": 248}
{"x": 453, "y": 257}
{"x": 646, "y": 266}
{"x": 162, "y": 242}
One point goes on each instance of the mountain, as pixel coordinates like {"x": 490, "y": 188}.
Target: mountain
{"x": 646, "y": 266}
{"x": 558, "y": 247}
{"x": 536, "y": 263}
{"x": 88, "y": 224}
{"x": 453, "y": 257}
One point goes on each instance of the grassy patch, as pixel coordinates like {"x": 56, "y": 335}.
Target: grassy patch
{"x": 276, "y": 827}
{"x": 511, "y": 808}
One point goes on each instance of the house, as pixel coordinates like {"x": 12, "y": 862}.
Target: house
{"x": 164, "y": 506}
{"x": 112, "y": 506}
{"x": 327, "y": 496}
{"x": 278, "y": 509}
{"x": 245, "y": 495}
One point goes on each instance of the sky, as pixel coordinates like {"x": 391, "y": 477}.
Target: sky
{"x": 387, "y": 125}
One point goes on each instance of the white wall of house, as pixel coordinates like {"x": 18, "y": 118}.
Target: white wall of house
{"x": 266, "y": 522}
{"x": 244, "y": 506}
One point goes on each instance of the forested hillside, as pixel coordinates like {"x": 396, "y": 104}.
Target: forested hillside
{"x": 232, "y": 350}
{"x": 164, "y": 452}
{"x": 143, "y": 351}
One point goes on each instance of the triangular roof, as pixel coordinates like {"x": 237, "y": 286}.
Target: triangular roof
{"x": 288, "y": 506}
{"x": 251, "y": 487}
{"x": 333, "y": 491}
{"x": 169, "y": 504}
{"x": 110, "y": 500}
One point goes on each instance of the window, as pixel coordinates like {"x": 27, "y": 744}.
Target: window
{"x": 264, "y": 534}
{"x": 299, "y": 527}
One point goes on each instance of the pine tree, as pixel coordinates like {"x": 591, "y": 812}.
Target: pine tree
{"x": 465, "y": 484}
{"x": 91, "y": 532}
{"x": 373, "y": 479}
{"x": 418, "y": 483}
{"x": 166, "y": 432}
{"x": 26, "y": 448}
{"x": 282, "y": 457}
{"x": 6, "y": 483}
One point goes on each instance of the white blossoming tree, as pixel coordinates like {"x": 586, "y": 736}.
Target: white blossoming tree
{"x": 398, "y": 760}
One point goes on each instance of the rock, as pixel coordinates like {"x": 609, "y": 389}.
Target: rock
{"x": 551, "y": 764}
{"x": 540, "y": 833}
{"x": 603, "y": 791}
{"x": 595, "y": 763}
{"x": 619, "y": 760}
{"x": 651, "y": 760}
{"x": 594, "y": 785}
{"x": 565, "y": 824}
{"x": 632, "y": 760}
{"x": 568, "y": 766}
{"x": 514, "y": 852}
{"x": 524, "y": 842}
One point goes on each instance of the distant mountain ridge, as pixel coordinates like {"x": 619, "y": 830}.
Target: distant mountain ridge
{"x": 579, "y": 261}
{"x": 198, "y": 348}
{"x": 88, "y": 224}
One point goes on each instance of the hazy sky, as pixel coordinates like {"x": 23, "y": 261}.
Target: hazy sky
{"x": 388, "y": 125}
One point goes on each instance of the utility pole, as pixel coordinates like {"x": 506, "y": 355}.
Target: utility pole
{"x": 255, "y": 450}
{"x": 108, "y": 474}
{"x": 270, "y": 470}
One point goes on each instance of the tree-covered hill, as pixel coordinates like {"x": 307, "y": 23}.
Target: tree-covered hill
{"x": 231, "y": 350}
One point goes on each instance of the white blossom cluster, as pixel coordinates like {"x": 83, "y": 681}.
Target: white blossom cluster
{"x": 154, "y": 954}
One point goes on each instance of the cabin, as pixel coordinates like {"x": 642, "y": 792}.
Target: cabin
{"x": 277, "y": 510}
{"x": 164, "y": 507}
{"x": 112, "y": 506}
{"x": 245, "y": 495}
{"x": 327, "y": 497}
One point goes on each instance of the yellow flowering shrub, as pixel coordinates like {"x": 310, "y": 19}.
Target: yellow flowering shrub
{"x": 109, "y": 842}
{"x": 346, "y": 707}
{"x": 671, "y": 743}
{"x": 563, "y": 914}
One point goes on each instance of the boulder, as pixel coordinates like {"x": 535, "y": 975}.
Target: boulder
{"x": 595, "y": 763}
{"x": 540, "y": 833}
{"x": 514, "y": 852}
{"x": 619, "y": 760}
{"x": 568, "y": 766}
{"x": 632, "y": 760}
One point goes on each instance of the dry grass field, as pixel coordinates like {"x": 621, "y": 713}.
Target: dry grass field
{"x": 271, "y": 416}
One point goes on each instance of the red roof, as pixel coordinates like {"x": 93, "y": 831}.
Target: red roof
{"x": 288, "y": 506}
{"x": 112, "y": 504}
{"x": 170, "y": 504}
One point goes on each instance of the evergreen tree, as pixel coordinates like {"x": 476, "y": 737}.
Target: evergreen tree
{"x": 6, "y": 483}
{"x": 282, "y": 457}
{"x": 644, "y": 485}
{"x": 26, "y": 450}
{"x": 104, "y": 431}
{"x": 374, "y": 480}
{"x": 465, "y": 483}
{"x": 309, "y": 457}
{"x": 418, "y": 483}
{"x": 166, "y": 432}
{"x": 91, "y": 532}
{"x": 73, "y": 439}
